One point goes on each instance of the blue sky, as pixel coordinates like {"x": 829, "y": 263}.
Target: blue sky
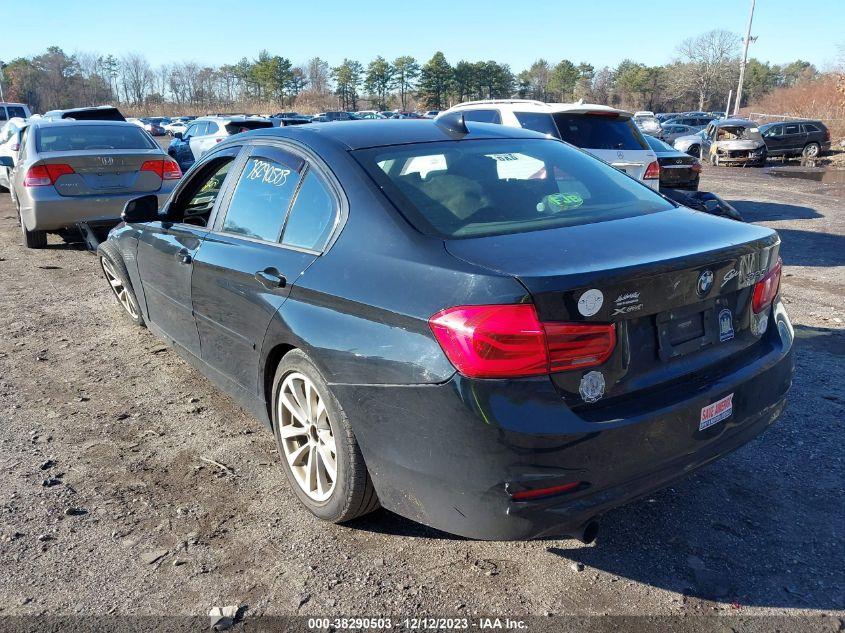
{"x": 511, "y": 31}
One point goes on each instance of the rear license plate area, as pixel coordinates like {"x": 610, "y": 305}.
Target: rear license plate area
{"x": 684, "y": 330}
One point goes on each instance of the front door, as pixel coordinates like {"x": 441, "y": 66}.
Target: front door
{"x": 166, "y": 251}
{"x": 258, "y": 249}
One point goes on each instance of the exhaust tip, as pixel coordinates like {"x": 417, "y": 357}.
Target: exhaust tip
{"x": 589, "y": 533}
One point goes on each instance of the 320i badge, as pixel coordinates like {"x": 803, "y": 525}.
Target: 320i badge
{"x": 475, "y": 326}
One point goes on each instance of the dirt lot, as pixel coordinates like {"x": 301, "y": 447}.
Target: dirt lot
{"x": 107, "y": 504}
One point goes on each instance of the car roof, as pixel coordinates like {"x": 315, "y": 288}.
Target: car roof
{"x": 352, "y": 135}
{"x": 771, "y": 123}
{"x": 528, "y": 105}
{"x": 731, "y": 122}
{"x": 66, "y": 122}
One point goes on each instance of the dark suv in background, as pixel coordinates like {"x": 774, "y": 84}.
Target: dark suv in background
{"x": 796, "y": 138}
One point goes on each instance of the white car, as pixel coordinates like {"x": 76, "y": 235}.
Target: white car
{"x": 205, "y": 132}
{"x": 604, "y": 132}
{"x": 177, "y": 125}
{"x": 647, "y": 122}
{"x": 10, "y": 111}
{"x": 10, "y": 144}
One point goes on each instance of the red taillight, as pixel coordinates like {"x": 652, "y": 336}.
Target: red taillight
{"x": 525, "y": 495}
{"x": 44, "y": 175}
{"x": 652, "y": 171}
{"x": 767, "y": 288}
{"x": 217, "y": 140}
{"x": 696, "y": 167}
{"x": 166, "y": 169}
{"x": 575, "y": 345}
{"x": 826, "y": 134}
{"x": 507, "y": 341}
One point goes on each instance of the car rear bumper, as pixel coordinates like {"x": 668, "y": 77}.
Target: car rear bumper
{"x": 44, "y": 209}
{"x": 450, "y": 455}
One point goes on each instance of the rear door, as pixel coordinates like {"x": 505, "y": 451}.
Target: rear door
{"x": 794, "y": 138}
{"x": 166, "y": 250}
{"x": 276, "y": 222}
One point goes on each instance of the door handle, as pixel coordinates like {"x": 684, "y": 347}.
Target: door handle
{"x": 271, "y": 278}
{"x": 184, "y": 256}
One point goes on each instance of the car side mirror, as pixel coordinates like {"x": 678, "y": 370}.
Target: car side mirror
{"x": 180, "y": 135}
{"x": 7, "y": 161}
{"x": 142, "y": 209}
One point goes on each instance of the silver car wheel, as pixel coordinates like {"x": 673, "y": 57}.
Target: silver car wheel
{"x": 120, "y": 291}
{"x": 306, "y": 437}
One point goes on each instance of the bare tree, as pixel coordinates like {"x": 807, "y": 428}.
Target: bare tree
{"x": 709, "y": 59}
{"x": 137, "y": 77}
{"x": 317, "y": 73}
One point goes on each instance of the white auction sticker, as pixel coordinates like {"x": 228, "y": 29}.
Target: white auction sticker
{"x": 716, "y": 412}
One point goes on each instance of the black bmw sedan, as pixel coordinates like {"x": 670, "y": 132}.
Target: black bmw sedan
{"x": 677, "y": 169}
{"x": 477, "y": 327}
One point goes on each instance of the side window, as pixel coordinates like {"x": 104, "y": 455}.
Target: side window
{"x": 312, "y": 215}
{"x": 792, "y": 129}
{"x": 3, "y": 116}
{"x": 537, "y": 121}
{"x": 262, "y": 196}
{"x": 202, "y": 126}
{"x": 809, "y": 127}
{"x": 212, "y": 128}
{"x": 483, "y": 116}
{"x": 195, "y": 202}
{"x": 22, "y": 148}
{"x": 192, "y": 130}
{"x": 776, "y": 131}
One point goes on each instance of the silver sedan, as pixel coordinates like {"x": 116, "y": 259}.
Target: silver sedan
{"x": 83, "y": 171}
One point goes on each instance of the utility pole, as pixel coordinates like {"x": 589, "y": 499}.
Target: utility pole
{"x": 748, "y": 39}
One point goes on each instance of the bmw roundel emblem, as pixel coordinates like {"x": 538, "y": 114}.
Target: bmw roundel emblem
{"x": 705, "y": 282}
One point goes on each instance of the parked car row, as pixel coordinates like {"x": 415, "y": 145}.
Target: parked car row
{"x": 490, "y": 316}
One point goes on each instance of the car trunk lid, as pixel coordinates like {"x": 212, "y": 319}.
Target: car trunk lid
{"x": 99, "y": 172}
{"x": 677, "y": 284}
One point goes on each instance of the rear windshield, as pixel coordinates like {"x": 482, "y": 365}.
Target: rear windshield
{"x": 592, "y": 131}
{"x": 81, "y": 137}
{"x": 236, "y": 127}
{"x": 16, "y": 111}
{"x": 461, "y": 189}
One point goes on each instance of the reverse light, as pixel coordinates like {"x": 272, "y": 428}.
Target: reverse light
{"x": 508, "y": 341}
{"x": 45, "y": 175}
{"x": 696, "y": 167}
{"x": 767, "y": 288}
{"x": 166, "y": 169}
{"x": 652, "y": 172}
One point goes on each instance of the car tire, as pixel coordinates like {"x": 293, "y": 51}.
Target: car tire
{"x": 114, "y": 270}
{"x": 811, "y": 150}
{"x": 304, "y": 442}
{"x": 31, "y": 239}
{"x": 694, "y": 150}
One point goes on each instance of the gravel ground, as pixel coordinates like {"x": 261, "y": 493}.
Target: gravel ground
{"x": 111, "y": 503}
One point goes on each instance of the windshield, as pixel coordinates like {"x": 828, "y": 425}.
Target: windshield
{"x": 67, "y": 138}
{"x": 473, "y": 188}
{"x": 592, "y": 131}
{"x": 738, "y": 133}
{"x": 657, "y": 145}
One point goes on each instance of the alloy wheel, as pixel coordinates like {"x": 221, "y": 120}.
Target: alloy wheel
{"x": 306, "y": 436}
{"x": 120, "y": 291}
